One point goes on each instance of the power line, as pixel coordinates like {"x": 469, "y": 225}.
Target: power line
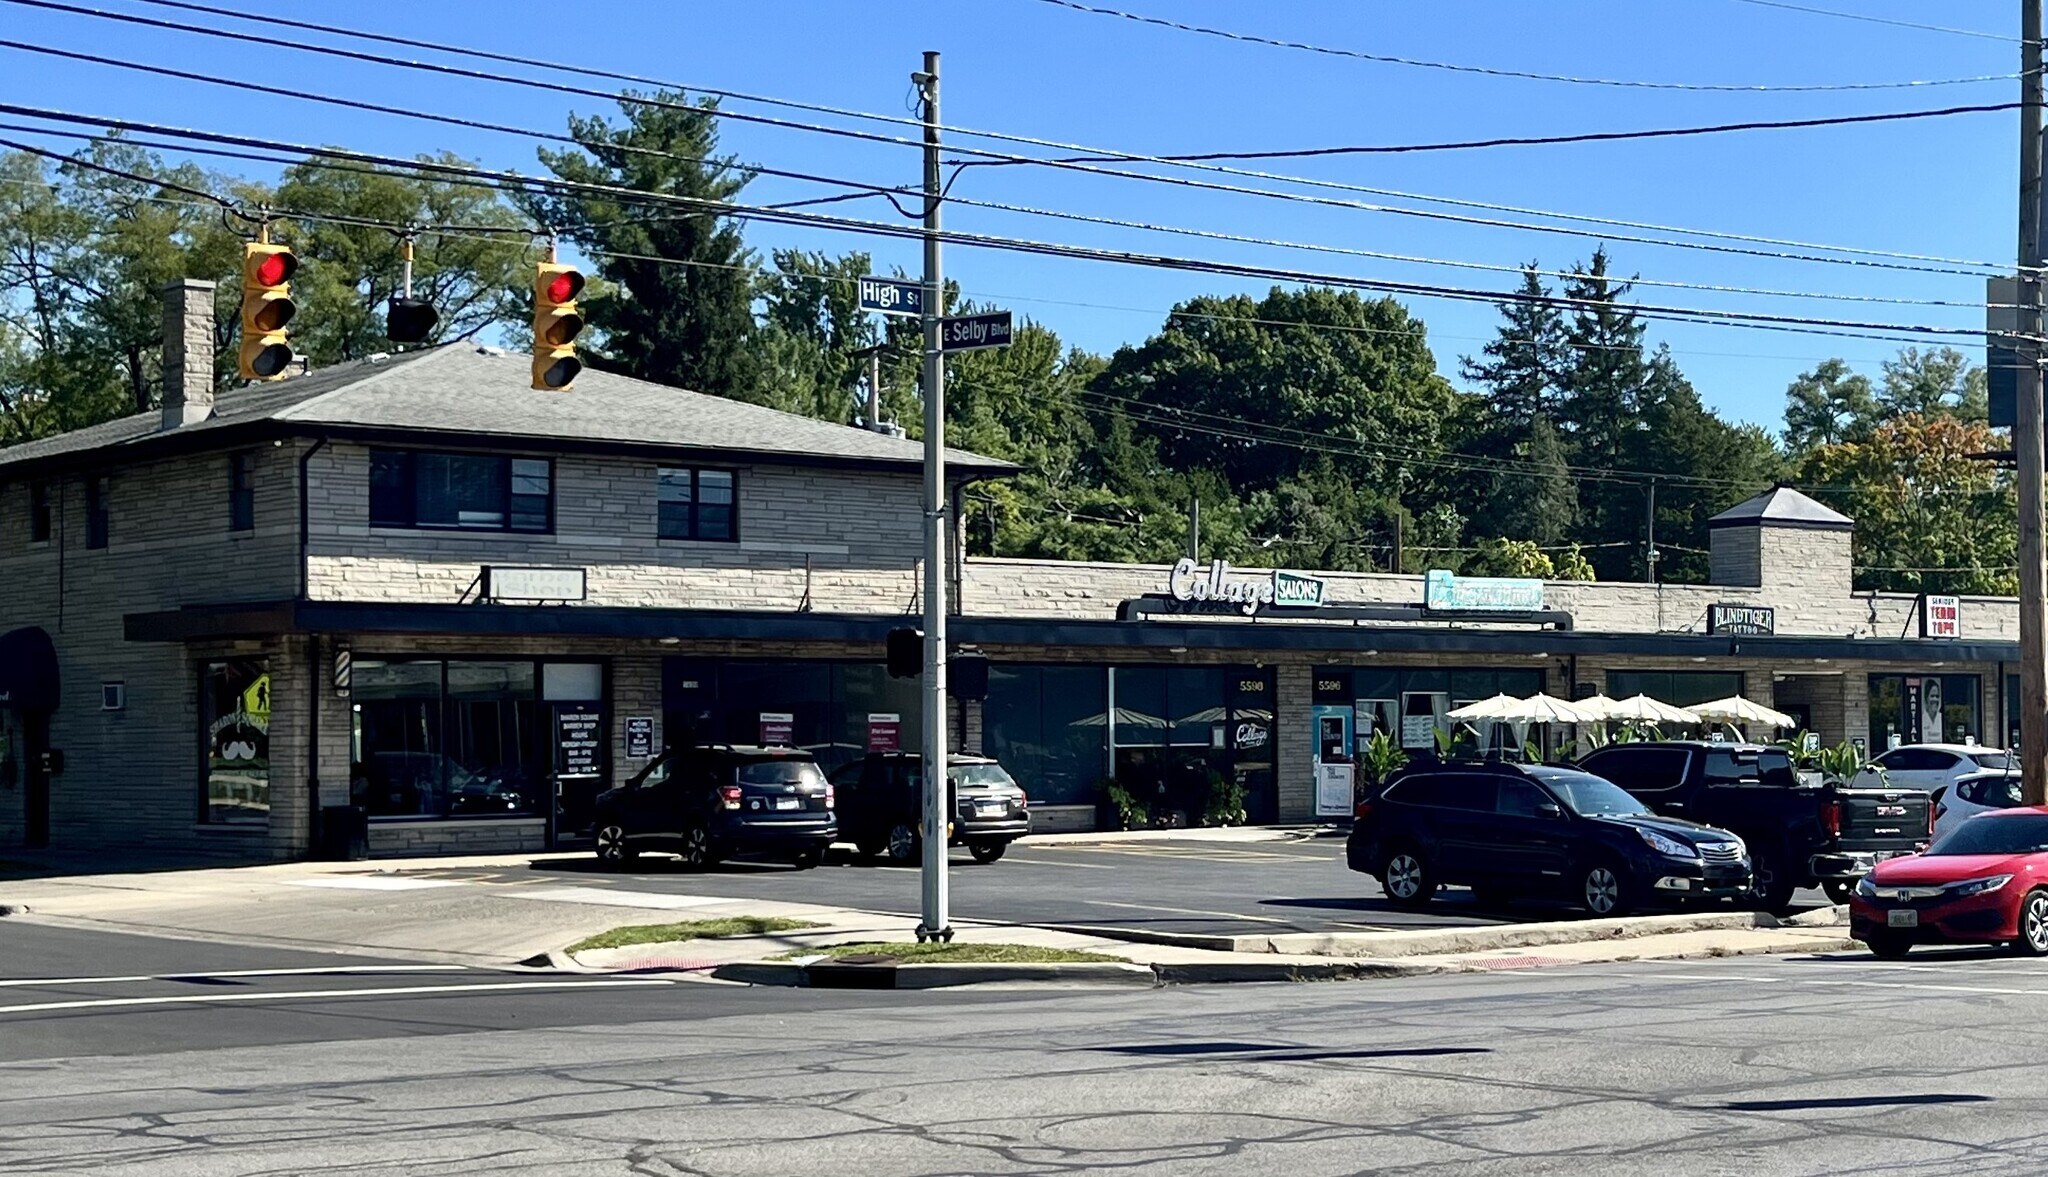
{"x": 1980, "y": 268}
{"x": 891, "y": 193}
{"x": 1799, "y": 324}
{"x": 1883, "y": 20}
{"x": 1529, "y": 75}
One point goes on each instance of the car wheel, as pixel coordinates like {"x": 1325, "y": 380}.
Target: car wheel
{"x": 1770, "y": 881}
{"x": 612, "y": 848}
{"x": 807, "y": 859}
{"x": 1839, "y": 890}
{"x": 1406, "y": 879}
{"x": 1887, "y": 946}
{"x": 902, "y": 844}
{"x": 1603, "y": 889}
{"x": 698, "y": 852}
{"x": 2033, "y": 939}
{"x": 987, "y": 851}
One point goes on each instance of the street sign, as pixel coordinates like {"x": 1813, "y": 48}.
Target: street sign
{"x": 970, "y": 332}
{"x": 891, "y": 296}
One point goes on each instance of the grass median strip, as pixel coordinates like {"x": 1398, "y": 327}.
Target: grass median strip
{"x": 718, "y": 929}
{"x": 935, "y": 953}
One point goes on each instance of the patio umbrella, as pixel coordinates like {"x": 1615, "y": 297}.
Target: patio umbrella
{"x": 1498, "y": 707}
{"x": 1736, "y": 709}
{"x": 1644, "y": 709}
{"x": 1125, "y": 717}
{"x": 1541, "y": 708}
{"x": 1598, "y": 706}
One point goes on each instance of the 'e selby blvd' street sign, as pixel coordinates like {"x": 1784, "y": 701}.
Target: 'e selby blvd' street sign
{"x": 891, "y": 296}
{"x": 972, "y": 332}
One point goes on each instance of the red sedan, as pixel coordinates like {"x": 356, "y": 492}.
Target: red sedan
{"x": 1983, "y": 882}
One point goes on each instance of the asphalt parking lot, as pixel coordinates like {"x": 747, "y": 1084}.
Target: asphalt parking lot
{"x": 1186, "y": 886}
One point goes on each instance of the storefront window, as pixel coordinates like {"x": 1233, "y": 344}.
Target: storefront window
{"x": 1412, "y": 704}
{"x": 467, "y": 738}
{"x": 1047, "y": 725}
{"x": 1680, "y": 688}
{"x": 1924, "y": 709}
{"x": 1174, "y": 736}
{"x": 836, "y": 711}
{"x": 235, "y": 714}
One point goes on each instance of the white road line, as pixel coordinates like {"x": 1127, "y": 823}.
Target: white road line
{"x": 372, "y": 883}
{"x": 1999, "y": 991}
{"x": 34, "y": 982}
{"x": 318, "y": 994}
{"x": 1050, "y": 862}
{"x": 1227, "y": 915}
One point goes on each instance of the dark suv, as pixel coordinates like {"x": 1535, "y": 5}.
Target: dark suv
{"x": 1510, "y": 831}
{"x": 708, "y": 803}
{"x": 881, "y": 805}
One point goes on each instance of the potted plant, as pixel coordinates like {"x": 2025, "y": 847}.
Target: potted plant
{"x": 1225, "y": 804}
{"x": 1117, "y": 809}
{"x": 1379, "y": 757}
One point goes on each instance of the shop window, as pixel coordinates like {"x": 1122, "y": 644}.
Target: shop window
{"x": 696, "y": 504}
{"x": 39, "y": 512}
{"x": 242, "y": 491}
{"x": 235, "y": 723}
{"x": 449, "y": 739}
{"x": 1925, "y": 709}
{"x": 1680, "y": 688}
{"x": 1048, "y": 726}
{"x": 1176, "y": 743}
{"x": 461, "y": 492}
{"x": 98, "y": 489}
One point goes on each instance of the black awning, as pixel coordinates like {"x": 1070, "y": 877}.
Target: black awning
{"x": 28, "y": 670}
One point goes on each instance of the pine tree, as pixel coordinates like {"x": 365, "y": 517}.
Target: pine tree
{"x": 1527, "y": 359}
{"x": 1600, "y": 412}
{"x": 1542, "y": 503}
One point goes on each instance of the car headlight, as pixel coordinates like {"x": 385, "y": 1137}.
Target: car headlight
{"x": 1867, "y": 887}
{"x": 1979, "y": 886}
{"x": 1667, "y": 846}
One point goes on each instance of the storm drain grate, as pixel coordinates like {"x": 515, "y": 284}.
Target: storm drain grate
{"x": 1516, "y": 962}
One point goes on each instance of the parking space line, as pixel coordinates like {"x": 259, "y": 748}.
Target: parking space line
{"x": 1050, "y": 862}
{"x": 1226, "y": 915}
{"x": 320, "y": 994}
{"x": 36, "y": 982}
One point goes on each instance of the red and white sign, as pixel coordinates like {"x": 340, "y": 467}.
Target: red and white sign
{"x": 778, "y": 727}
{"x": 1941, "y": 617}
{"x": 885, "y": 732}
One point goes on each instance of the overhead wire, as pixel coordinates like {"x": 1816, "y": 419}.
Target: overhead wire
{"x": 1867, "y": 18}
{"x": 1980, "y": 268}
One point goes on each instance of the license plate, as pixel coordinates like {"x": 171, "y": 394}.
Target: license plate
{"x": 988, "y": 809}
{"x": 1902, "y": 919}
{"x": 789, "y": 803}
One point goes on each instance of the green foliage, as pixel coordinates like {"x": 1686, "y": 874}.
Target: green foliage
{"x": 1837, "y": 765}
{"x": 1571, "y": 564}
{"x": 1224, "y": 805}
{"x": 1827, "y": 406}
{"x": 1509, "y": 557}
{"x": 1131, "y": 811}
{"x": 1380, "y": 757}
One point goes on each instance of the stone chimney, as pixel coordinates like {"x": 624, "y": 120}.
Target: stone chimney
{"x": 188, "y": 353}
{"x": 1782, "y": 539}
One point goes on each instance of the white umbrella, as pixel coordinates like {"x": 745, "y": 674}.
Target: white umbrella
{"x": 1498, "y": 707}
{"x": 1736, "y": 709}
{"x": 1644, "y": 709}
{"x": 1598, "y": 706}
{"x": 1541, "y": 708}
{"x": 1125, "y": 717}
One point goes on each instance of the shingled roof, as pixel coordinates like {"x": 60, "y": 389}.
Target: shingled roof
{"x": 483, "y": 394}
{"x": 1783, "y": 507}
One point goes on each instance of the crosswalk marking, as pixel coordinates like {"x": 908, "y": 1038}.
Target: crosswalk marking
{"x": 322, "y": 994}
{"x": 38, "y": 982}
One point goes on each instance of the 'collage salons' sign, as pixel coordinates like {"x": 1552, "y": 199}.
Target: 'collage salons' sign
{"x": 1191, "y": 581}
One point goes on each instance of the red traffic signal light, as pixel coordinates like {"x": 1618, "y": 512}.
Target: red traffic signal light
{"x": 267, "y": 308}
{"x": 557, "y": 321}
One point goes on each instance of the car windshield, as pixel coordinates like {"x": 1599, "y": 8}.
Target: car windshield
{"x": 781, "y": 772}
{"x": 1589, "y": 796}
{"x": 1995, "y": 834}
{"x": 973, "y": 775}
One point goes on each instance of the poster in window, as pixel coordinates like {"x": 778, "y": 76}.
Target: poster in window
{"x": 885, "y": 731}
{"x": 578, "y": 731}
{"x": 237, "y": 712}
{"x": 640, "y": 736}
{"x": 778, "y": 728}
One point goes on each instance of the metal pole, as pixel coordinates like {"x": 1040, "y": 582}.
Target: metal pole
{"x": 875, "y": 389}
{"x": 937, "y": 923}
{"x": 2026, "y": 434}
{"x": 1650, "y": 550}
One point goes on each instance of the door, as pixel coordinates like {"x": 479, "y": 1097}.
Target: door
{"x": 1464, "y": 821}
{"x": 1528, "y": 837}
{"x": 22, "y": 772}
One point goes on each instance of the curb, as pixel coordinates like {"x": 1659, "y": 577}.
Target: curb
{"x": 826, "y": 974}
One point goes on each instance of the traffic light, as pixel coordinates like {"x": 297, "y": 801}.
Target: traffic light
{"x": 906, "y": 653}
{"x": 267, "y": 307}
{"x": 556, "y": 323}
{"x": 410, "y": 320}
{"x": 967, "y": 675}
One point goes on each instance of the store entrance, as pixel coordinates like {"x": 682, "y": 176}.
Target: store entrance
{"x": 23, "y": 739}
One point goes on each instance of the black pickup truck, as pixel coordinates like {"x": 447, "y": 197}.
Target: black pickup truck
{"x": 1799, "y": 835}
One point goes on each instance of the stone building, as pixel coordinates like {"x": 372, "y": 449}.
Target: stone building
{"x": 415, "y": 585}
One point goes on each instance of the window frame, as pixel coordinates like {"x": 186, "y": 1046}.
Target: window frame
{"x": 42, "y": 511}
{"x": 508, "y": 478}
{"x": 242, "y": 491}
{"x": 695, "y": 530}
{"x": 99, "y": 494}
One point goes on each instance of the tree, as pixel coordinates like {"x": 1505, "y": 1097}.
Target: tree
{"x": 1929, "y": 518}
{"x": 1827, "y": 406}
{"x": 1539, "y": 502}
{"x": 1713, "y": 465}
{"x": 812, "y": 329}
{"x": 1527, "y": 360}
{"x": 1601, "y": 410}
{"x": 1509, "y": 557}
{"x": 1935, "y": 382}
{"x": 687, "y": 320}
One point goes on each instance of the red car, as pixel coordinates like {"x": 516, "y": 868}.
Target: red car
{"x": 1983, "y": 882}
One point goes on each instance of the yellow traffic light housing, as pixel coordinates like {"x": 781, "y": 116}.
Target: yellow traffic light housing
{"x": 267, "y": 308}
{"x": 556, "y": 323}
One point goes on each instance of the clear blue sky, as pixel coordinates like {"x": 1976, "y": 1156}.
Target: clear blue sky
{"x": 1944, "y": 187}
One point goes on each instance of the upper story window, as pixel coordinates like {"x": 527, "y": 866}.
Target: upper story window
{"x": 697, "y": 504}
{"x": 242, "y": 492}
{"x": 98, "y": 489}
{"x": 461, "y": 492}
{"x": 39, "y": 511}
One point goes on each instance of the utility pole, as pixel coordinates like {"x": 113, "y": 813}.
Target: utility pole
{"x": 1194, "y": 527}
{"x": 1650, "y": 550}
{"x": 937, "y": 923}
{"x": 2026, "y": 433}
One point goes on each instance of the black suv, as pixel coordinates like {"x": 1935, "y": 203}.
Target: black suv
{"x": 1799, "y": 835}
{"x": 707, "y": 803}
{"x": 881, "y": 805}
{"x": 1510, "y": 831}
